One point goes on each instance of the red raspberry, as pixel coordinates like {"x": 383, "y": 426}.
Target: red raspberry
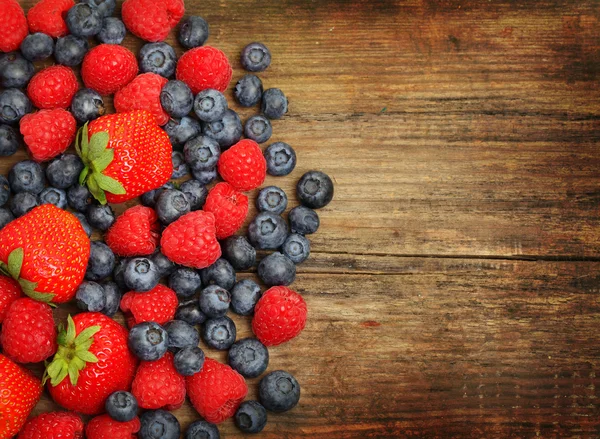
{"x": 53, "y": 87}
{"x": 229, "y": 207}
{"x": 157, "y": 384}
{"x": 53, "y": 425}
{"x": 216, "y": 391}
{"x": 105, "y": 427}
{"x": 48, "y": 133}
{"x": 204, "y": 67}
{"x": 157, "y": 305}
{"x": 14, "y": 25}
{"x": 152, "y": 20}
{"x": 143, "y": 93}
{"x": 28, "y": 332}
{"x": 191, "y": 240}
{"x": 279, "y": 316}
{"x": 10, "y": 291}
{"x": 243, "y": 165}
{"x": 48, "y": 17}
{"x": 134, "y": 233}
{"x": 108, "y": 67}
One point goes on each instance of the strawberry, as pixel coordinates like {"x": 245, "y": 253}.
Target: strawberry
{"x": 46, "y": 251}
{"x": 134, "y": 233}
{"x": 53, "y": 425}
{"x": 229, "y": 207}
{"x": 48, "y": 17}
{"x": 152, "y": 20}
{"x": 47, "y": 133}
{"x": 204, "y": 67}
{"x": 243, "y": 165}
{"x": 158, "y": 385}
{"x": 279, "y": 316}
{"x": 108, "y": 67}
{"x": 105, "y": 427}
{"x": 53, "y": 87}
{"x": 157, "y": 305}
{"x": 143, "y": 93}
{"x": 93, "y": 352}
{"x": 14, "y": 25}
{"x": 10, "y": 290}
{"x": 125, "y": 155}
{"x": 19, "y": 393}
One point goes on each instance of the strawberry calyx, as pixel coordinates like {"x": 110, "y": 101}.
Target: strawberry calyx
{"x": 72, "y": 355}
{"x": 13, "y": 269}
{"x": 96, "y": 157}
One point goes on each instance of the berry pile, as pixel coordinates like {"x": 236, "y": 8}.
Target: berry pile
{"x": 168, "y": 265}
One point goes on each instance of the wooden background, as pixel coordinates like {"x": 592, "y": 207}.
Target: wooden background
{"x": 453, "y": 285}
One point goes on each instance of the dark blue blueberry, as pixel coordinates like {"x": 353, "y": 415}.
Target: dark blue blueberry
{"x": 63, "y": 171}
{"x": 87, "y": 105}
{"x": 159, "y": 424}
{"x": 210, "y": 105}
{"x": 90, "y": 297}
{"x": 190, "y": 312}
{"x": 272, "y": 199}
{"x": 279, "y": 391}
{"x": 202, "y": 153}
{"x": 79, "y": 198}
{"x": 149, "y": 198}
{"x": 274, "y": 103}
{"x": 205, "y": 177}
{"x": 220, "y": 273}
{"x": 163, "y": 264}
{"x": 244, "y": 296}
{"x": 84, "y": 20}
{"x": 26, "y": 176}
{"x": 101, "y": 262}
{"x": 315, "y": 189}
{"x": 297, "y": 248}
{"x": 104, "y": 7}
{"x": 303, "y": 220}
{"x": 9, "y": 142}
{"x": 140, "y": 274}
{"x": 219, "y": 333}
{"x": 6, "y": 217}
{"x": 193, "y": 32}
{"x": 13, "y": 106}
{"x": 84, "y": 223}
{"x": 251, "y": 417}
{"x": 185, "y": 282}
{"x": 52, "y": 195}
{"x": 255, "y": 57}
{"x": 180, "y": 167}
{"x": 22, "y": 203}
{"x": 202, "y": 430}
{"x": 226, "y": 131}
{"x": 158, "y": 58}
{"x": 276, "y": 269}
{"x": 119, "y": 273}
{"x": 122, "y": 406}
{"x": 113, "y": 31}
{"x": 182, "y": 130}
{"x": 112, "y": 293}
{"x": 248, "y": 90}
{"x": 15, "y": 70}
{"x": 37, "y": 46}
{"x": 171, "y": 204}
{"x": 267, "y": 231}
{"x": 148, "y": 341}
{"x": 70, "y": 50}
{"x": 281, "y": 159}
{"x": 189, "y": 361}
{"x": 181, "y": 335}
{"x": 249, "y": 357}
{"x": 4, "y": 190}
{"x": 238, "y": 251}
{"x": 214, "y": 301}
{"x": 100, "y": 217}
{"x": 176, "y": 98}
{"x": 195, "y": 192}
{"x": 258, "y": 128}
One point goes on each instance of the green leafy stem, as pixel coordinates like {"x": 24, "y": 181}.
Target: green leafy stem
{"x": 13, "y": 269}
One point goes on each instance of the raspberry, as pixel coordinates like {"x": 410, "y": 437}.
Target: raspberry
{"x": 48, "y": 17}
{"x": 191, "y": 240}
{"x": 243, "y": 165}
{"x": 53, "y": 425}
{"x": 108, "y": 67}
{"x": 134, "y": 233}
{"x": 10, "y": 291}
{"x": 216, "y": 391}
{"x": 105, "y": 427}
{"x": 14, "y": 25}
{"x": 152, "y": 20}
{"x": 48, "y": 133}
{"x": 53, "y": 87}
{"x": 157, "y": 305}
{"x": 143, "y": 93}
{"x": 204, "y": 67}
{"x": 158, "y": 385}
{"x": 229, "y": 207}
{"x": 279, "y": 316}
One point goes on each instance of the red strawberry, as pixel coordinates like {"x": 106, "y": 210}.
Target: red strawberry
{"x": 229, "y": 207}
{"x": 134, "y": 233}
{"x": 152, "y": 20}
{"x": 157, "y": 305}
{"x": 14, "y": 25}
{"x": 48, "y": 133}
{"x": 143, "y": 93}
{"x": 243, "y": 165}
{"x": 279, "y": 316}
{"x": 204, "y": 67}
{"x": 10, "y": 290}
{"x": 28, "y": 333}
{"x": 216, "y": 391}
{"x": 93, "y": 353}
{"x": 46, "y": 251}
{"x": 53, "y": 87}
{"x": 108, "y": 67}
{"x": 19, "y": 393}
{"x": 48, "y": 17}
{"x": 105, "y": 427}
{"x": 53, "y": 425}
{"x": 191, "y": 240}
{"x": 158, "y": 385}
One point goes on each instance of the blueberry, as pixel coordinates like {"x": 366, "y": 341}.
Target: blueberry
{"x": 84, "y": 223}
{"x": 279, "y": 391}
{"x": 4, "y": 190}
{"x": 297, "y": 248}
{"x": 122, "y": 406}
{"x": 185, "y": 282}
{"x": 272, "y": 199}
{"x": 219, "y": 333}
{"x": 113, "y": 31}
{"x": 276, "y": 269}
{"x": 249, "y": 357}
{"x": 101, "y": 262}
{"x": 13, "y": 106}
{"x": 164, "y": 265}
{"x": 226, "y": 131}
{"x": 181, "y": 335}
{"x": 64, "y": 171}
{"x": 281, "y": 159}
{"x": 267, "y": 231}
{"x": 158, "y": 58}
{"x": 244, "y": 296}
{"x": 238, "y": 251}
{"x": 190, "y": 313}
{"x": 251, "y": 417}
{"x": 159, "y": 424}
{"x": 195, "y": 192}
{"x": 182, "y": 130}
{"x": 119, "y": 273}
{"x": 104, "y": 7}
{"x": 149, "y": 198}
{"x": 112, "y": 293}
{"x": 193, "y": 32}
{"x": 274, "y": 103}
{"x": 315, "y": 189}
{"x": 202, "y": 430}
{"x": 210, "y": 105}
{"x": 84, "y": 20}
{"x": 258, "y": 128}
{"x": 205, "y": 177}
{"x": 26, "y": 176}
{"x": 52, "y": 195}
{"x": 180, "y": 167}
{"x": 6, "y": 217}
{"x": 90, "y": 297}
{"x": 15, "y": 70}
{"x": 79, "y": 197}
{"x": 37, "y": 46}
{"x": 220, "y": 273}
{"x": 176, "y": 98}
{"x": 9, "y": 143}
{"x": 303, "y": 220}
{"x": 148, "y": 341}
{"x": 248, "y": 90}
{"x": 214, "y": 301}
{"x": 202, "y": 153}
{"x": 100, "y": 217}
{"x": 22, "y": 203}
{"x": 140, "y": 274}
{"x": 70, "y": 50}
{"x": 255, "y": 57}
{"x": 87, "y": 105}
{"x": 171, "y": 204}
{"x": 189, "y": 361}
